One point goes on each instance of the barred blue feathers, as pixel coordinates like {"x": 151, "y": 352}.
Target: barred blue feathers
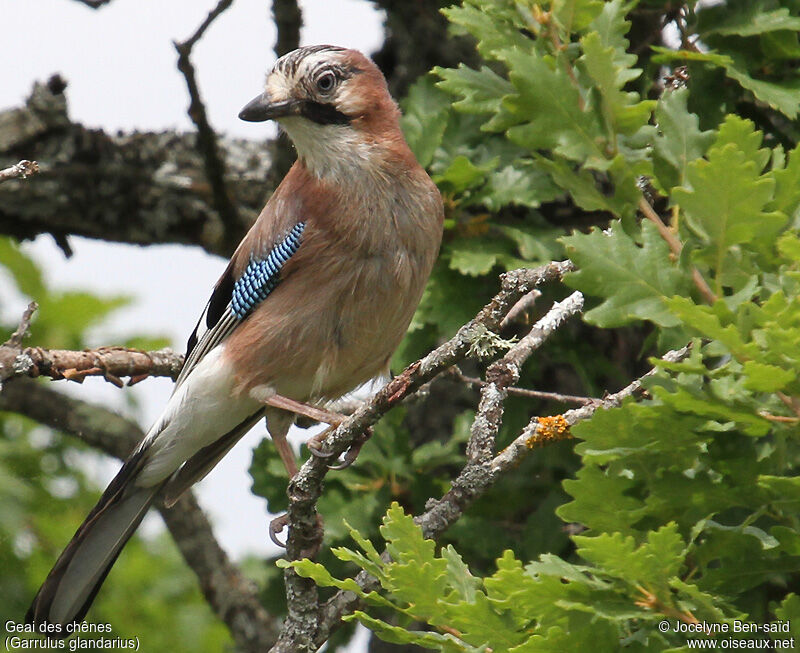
{"x": 262, "y": 274}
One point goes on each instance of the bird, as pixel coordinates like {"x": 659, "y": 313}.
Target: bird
{"x": 313, "y": 303}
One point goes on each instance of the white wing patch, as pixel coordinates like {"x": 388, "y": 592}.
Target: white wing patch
{"x": 200, "y": 411}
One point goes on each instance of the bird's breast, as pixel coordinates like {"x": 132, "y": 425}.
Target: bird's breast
{"x": 346, "y": 299}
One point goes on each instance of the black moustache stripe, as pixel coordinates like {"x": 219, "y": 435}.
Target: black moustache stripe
{"x": 323, "y": 114}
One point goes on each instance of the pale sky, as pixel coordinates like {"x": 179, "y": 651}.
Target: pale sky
{"x": 119, "y": 63}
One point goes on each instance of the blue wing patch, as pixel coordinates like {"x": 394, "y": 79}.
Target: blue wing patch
{"x": 263, "y": 274}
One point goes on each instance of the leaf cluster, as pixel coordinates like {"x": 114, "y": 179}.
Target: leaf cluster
{"x": 677, "y": 196}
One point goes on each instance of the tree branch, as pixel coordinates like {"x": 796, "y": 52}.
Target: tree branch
{"x": 206, "y": 137}
{"x": 524, "y": 392}
{"x": 108, "y": 362}
{"x": 473, "y": 482}
{"x": 232, "y": 597}
{"x": 23, "y": 169}
{"x": 300, "y": 631}
{"x": 111, "y": 363}
{"x": 288, "y": 19}
{"x": 142, "y": 188}
{"x": 676, "y": 246}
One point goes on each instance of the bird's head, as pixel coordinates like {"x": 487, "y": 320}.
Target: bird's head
{"x": 332, "y": 102}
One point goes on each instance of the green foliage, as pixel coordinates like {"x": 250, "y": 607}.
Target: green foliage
{"x": 685, "y": 499}
{"x": 46, "y": 494}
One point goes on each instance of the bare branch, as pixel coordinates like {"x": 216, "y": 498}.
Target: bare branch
{"x": 23, "y": 170}
{"x": 111, "y": 363}
{"x": 676, "y": 246}
{"x": 301, "y": 628}
{"x": 139, "y": 188}
{"x": 231, "y": 596}
{"x": 288, "y": 20}
{"x": 524, "y": 392}
{"x": 206, "y": 137}
{"x": 473, "y": 481}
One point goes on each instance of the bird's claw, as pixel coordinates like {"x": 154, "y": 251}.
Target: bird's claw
{"x": 315, "y": 448}
{"x": 276, "y": 526}
{"x": 352, "y": 453}
{"x": 314, "y": 445}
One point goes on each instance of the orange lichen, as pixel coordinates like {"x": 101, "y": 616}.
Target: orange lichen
{"x": 549, "y": 429}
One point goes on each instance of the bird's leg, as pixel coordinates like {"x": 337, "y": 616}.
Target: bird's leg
{"x": 315, "y": 442}
{"x": 285, "y": 452}
{"x": 307, "y": 410}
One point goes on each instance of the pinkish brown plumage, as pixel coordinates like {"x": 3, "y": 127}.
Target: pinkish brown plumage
{"x": 314, "y": 301}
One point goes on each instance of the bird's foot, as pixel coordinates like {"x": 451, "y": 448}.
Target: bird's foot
{"x": 280, "y": 522}
{"x": 276, "y": 526}
{"x": 315, "y": 445}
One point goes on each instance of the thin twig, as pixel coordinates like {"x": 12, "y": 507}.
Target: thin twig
{"x": 472, "y": 483}
{"x": 525, "y": 392}
{"x": 676, "y": 247}
{"x": 23, "y": 170}
{"x": 288, "y": 19}
{"x": 206, "y": 137}
{"x": 520, "y": 308}
{"x": 791, "y": 403}
{"x": 783, "y": 419}
{"x": 300, "y": 630}
{"x": 24, "y": 326}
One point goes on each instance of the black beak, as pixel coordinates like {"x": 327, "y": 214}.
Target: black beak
{"x": 261, "y": 108}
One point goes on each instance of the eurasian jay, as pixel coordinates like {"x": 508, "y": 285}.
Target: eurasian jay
{"x": 313, "y": 303}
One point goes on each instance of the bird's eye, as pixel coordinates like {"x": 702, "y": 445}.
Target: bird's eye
{"x": 326, "y": 81}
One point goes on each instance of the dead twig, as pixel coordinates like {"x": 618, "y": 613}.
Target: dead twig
{"x": 111, "y": 363}
{"x": 676, "y": 246}
{"x": 22, "y": 170}
{"x": 473, "y": 481}
{"x": 206, "y": 137}
{"x": 525, "y": 392}
{"x": 301, "y": 630}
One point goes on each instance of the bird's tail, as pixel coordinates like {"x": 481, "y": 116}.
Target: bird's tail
{"x": 70, "y": 588}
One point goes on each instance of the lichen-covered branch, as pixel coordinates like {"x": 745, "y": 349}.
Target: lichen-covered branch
{"x": 473, "y": 481}
{"x": 112, "y": 363}
{"x": 142, "y": 187}
{"x": 504, "y": 373}
{"x": 231, "y": 596}
{"x": 301, "y": 628}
